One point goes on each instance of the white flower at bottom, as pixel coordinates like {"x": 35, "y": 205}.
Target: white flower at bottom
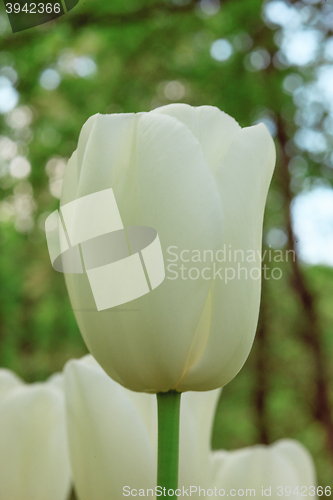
{"x": 113, "y": 434}
{"x": 113, "y": 443}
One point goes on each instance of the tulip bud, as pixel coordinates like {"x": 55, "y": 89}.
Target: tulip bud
{"x": 34, "y": 462}
{"x": 284, "y": 469}
{"x": 184, "y": 178}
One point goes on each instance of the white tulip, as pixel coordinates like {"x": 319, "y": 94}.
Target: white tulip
{"x": 201, "y": 181}
{"x": 34, "y": 460}
{"x": 113, "y": 432}
{"x": 282, "y": 470}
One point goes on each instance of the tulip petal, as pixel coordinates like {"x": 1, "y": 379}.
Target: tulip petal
{"x": 84, "y": 136}
{"x": 34, "y": 463}
{"x": 56, "y": 380}
{"x": 300, "y": 459}
{"x": 213, "y": 128}
{"x": 196, "y": 424}
{"x": 71, "y": 179}
{"x": 109, "y": 445}
{"x": 8, "y": 381}
{"x": 104, "y": 150}
{"x": 217, "y": 461}
{"x": 145, "y": 404}
{"x": 243, "y": 180}
{"x": 264, "y": 467}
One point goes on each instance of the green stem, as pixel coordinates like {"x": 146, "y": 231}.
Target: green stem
{"x": 168, "y": 405}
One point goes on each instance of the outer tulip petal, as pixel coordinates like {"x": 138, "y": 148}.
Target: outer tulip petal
{"x": 243, "y": 180}
{"x": 265, "y": 467}
{"x": 217, "y": 461}
{"x": 8, "y": 381}
{"x": 34, "y": 462}
{"x": 57, "y": 380}
{"x": 213, "y": 128}
{"x": 301, "y": 459}
{"x": 95, "y": 166}
{"x": 71, "y": 179}
{"x": 146, "y": 407}
{"x": 145, "y": 344}
{"x": 84, "y": 136}
{"x": 106, "y": 146}
{"x": 145, "y": 404}
{"x": 109, "y": 444}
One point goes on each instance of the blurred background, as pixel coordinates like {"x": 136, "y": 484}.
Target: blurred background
{"x": 270, "y": 62}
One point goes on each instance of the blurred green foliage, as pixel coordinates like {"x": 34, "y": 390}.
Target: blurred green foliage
{"x": 108, "y": 57}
